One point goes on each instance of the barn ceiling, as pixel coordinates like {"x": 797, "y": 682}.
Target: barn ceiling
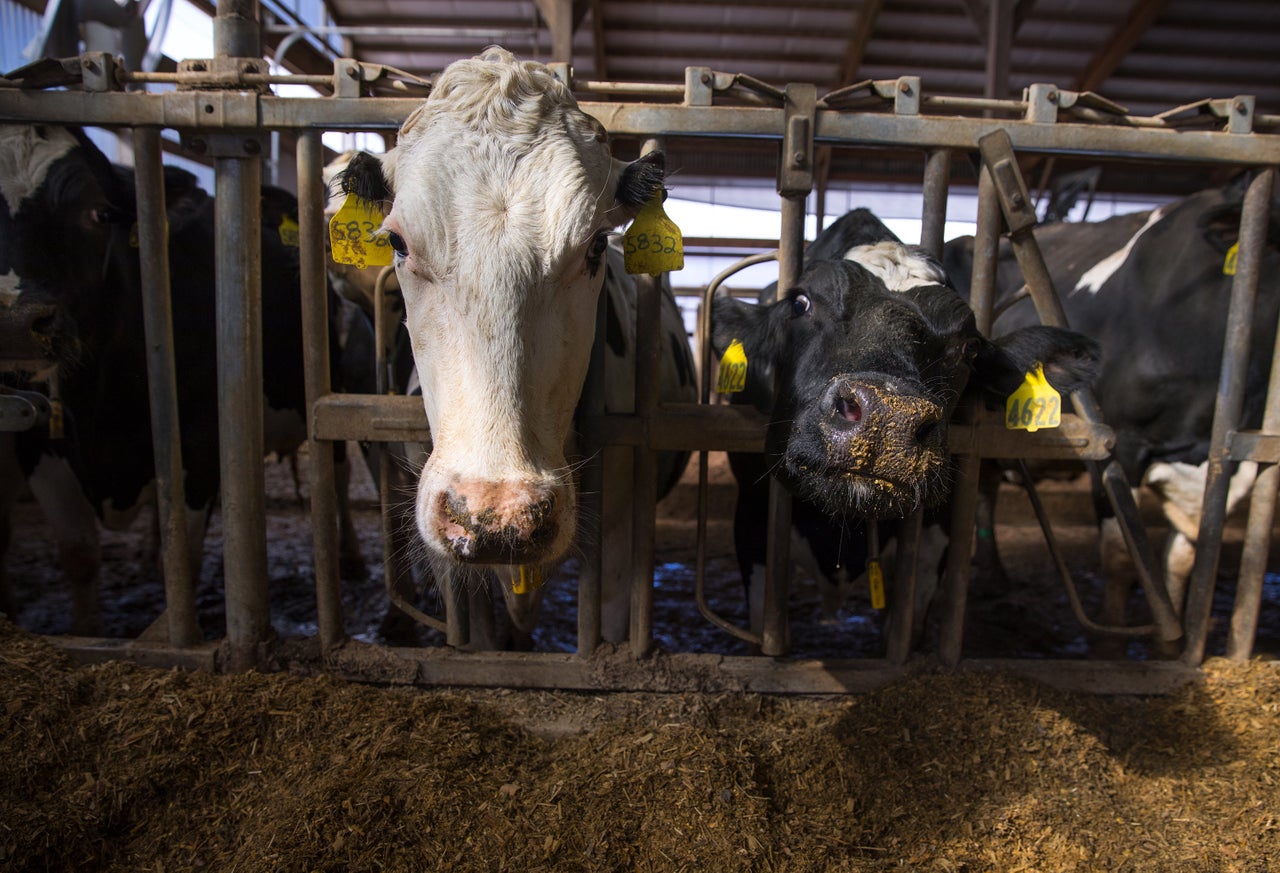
{"x": 1147, "y": 55}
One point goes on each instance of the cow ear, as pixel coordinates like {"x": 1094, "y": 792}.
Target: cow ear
{"x": 637, "y": 183}
{"x": 753, "y": 325}
{"x": 1070, "y": 359}
{"x": 366, "y": 177}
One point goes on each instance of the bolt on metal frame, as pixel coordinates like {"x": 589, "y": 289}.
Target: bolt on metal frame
{"x": 228, "y": 121}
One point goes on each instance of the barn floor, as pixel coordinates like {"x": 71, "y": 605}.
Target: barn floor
{"x": 119, "y": 767}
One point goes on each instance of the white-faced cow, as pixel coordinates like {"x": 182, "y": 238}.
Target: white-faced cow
{"x": 1152, "y": 288}
{"x": 501, "y": 194}
{"x": 65, "y": 231}
{"x": 872, "y": 352}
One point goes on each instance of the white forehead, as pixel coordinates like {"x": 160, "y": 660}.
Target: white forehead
{"x": 25, "y": 158}
{"x": 499, "y": 155}
{"x": 897, "y": 266}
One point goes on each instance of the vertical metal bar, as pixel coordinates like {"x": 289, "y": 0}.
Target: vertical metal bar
{"x": 1257, "y": 537}
{"x": 590, "y": 527}
{"x": 239, "y": 314}
{"x": 315, "y": 338}
{"x": 964, "y": 495}
{"x": 937, "y": 175}
{"x": 153, "y": 256}
{"x": 775, "y": 634}
{"x": 999, "y": 48}
{"x": 457, "y": 608}
{"x": 1226, "y": 413}
{"x": 644, "y": 471}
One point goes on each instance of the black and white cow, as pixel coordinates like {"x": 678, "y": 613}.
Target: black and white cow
{"x": 872, "y": 353}
{"x": 500, "y": 197}
{"x": 65, "y": 230}
{"x": 1151, "y": 288}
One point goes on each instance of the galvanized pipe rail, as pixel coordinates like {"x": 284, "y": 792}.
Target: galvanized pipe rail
{"x": 204, "y": 114}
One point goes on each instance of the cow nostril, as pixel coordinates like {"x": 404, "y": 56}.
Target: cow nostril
{"x": 849, "y": 409}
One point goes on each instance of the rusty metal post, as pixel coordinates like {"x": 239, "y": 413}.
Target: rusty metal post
{"x": 239, "y": 314}
{"x": 937, "y": 175}
{"x": 795, "y": 181}
{"x": 153, "y": 257}
{"x": 315, "y": 337}
{"x": 964, "y": 494}
{"x": 1226, "y": 413}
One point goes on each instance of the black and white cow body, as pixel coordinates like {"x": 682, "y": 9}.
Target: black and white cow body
{"x": 1150, "y": 287}
{"x": 499, "y": 199}
{"x": 872, "y": 354}
{"x": 67, "y": 230}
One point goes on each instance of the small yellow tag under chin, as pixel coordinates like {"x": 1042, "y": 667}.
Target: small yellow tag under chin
{"x": 1034, "y": 405}
{"x": 1229, "y": 262}
{"x": 354, "y": 236}
{"x": 875, "y": 578}
{"x": 526, "y": 579}
{"x": 653, "y": 244}
{"x": 288, "y": 232}
{"x": 733, "y": 369}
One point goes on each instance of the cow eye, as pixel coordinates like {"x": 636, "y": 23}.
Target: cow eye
{"x": 599, "y": 243}
{"x": 800, "y": 305}
{"x": 397, "y": 244}
{"x": 969, "y": 349}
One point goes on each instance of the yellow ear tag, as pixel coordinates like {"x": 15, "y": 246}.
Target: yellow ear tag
{"x": 528, "y": 578}
{"x": 288, "y": 232}
{"x": 875, "y": 577}
{"x": 733, "y": 369}
{"x": 1229, "y": 263}
{"x": 653, "y": 244}
{"x": 1034, "y": 405}
{"x": 353, "y": 234}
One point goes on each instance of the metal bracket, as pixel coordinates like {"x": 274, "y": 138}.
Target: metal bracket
{"x": 699, "y": 86}
{"x": 347, "y": 78}
{"x": 100, "y": 72}
{"x": 1042, "y": 103}
{"x": 246, "y": 144}
{"x": 795, "y": 169}
{"x": 206, "y": 74}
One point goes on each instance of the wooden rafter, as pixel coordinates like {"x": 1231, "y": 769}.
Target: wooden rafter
{"x": 1126, "y": 36}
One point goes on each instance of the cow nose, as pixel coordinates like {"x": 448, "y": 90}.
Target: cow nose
{"x": 497, "y": 522}
{"x": 855, "y": 406}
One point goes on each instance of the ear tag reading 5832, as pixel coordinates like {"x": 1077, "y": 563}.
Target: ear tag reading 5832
{"x": 653, "y": 244}
{"x": 353, "y": 233}
{"x": 1034, "y": 405}
{"x": 733, "y": 369}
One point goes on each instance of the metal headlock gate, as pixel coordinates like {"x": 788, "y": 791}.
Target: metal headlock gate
{"x": 223, "y": 107}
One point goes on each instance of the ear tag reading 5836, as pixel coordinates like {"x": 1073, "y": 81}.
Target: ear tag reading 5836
{"x": 1034, "y": 405}
{"x": 353, "y": 233}
{"x": 653, "y": 244}
{"x": 733, "y": 369}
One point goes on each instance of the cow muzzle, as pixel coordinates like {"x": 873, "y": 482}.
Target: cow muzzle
{"x": 498, "y": 523}
{"x": 31, "y": 336}
{"x": 882, "y": 433}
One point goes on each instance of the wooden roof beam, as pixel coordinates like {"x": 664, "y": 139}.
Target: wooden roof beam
{"x": 1141, "y": 16}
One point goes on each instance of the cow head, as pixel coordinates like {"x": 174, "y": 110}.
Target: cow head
{"x": 60, "y": 223}
{"x": 868, "y": 377}
{"x": 502, "y": 195}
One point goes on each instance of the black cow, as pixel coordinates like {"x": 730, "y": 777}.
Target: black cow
{"x": 67, "y": 230}
{"x": 873, "y": 352}
{"x": 1152, "y": 288}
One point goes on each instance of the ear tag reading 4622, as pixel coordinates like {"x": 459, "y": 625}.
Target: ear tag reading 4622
{"x": 353, "y": 233}
{"x": 1034, "y": 405}
{"x": 733, "y": 369}
{"x": 653, "y": 244}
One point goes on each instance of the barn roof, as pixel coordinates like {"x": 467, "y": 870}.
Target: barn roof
{"x": 1149, "y": 56}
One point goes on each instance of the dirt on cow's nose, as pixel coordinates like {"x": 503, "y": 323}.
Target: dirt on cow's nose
{"x": 497, "y": 523}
